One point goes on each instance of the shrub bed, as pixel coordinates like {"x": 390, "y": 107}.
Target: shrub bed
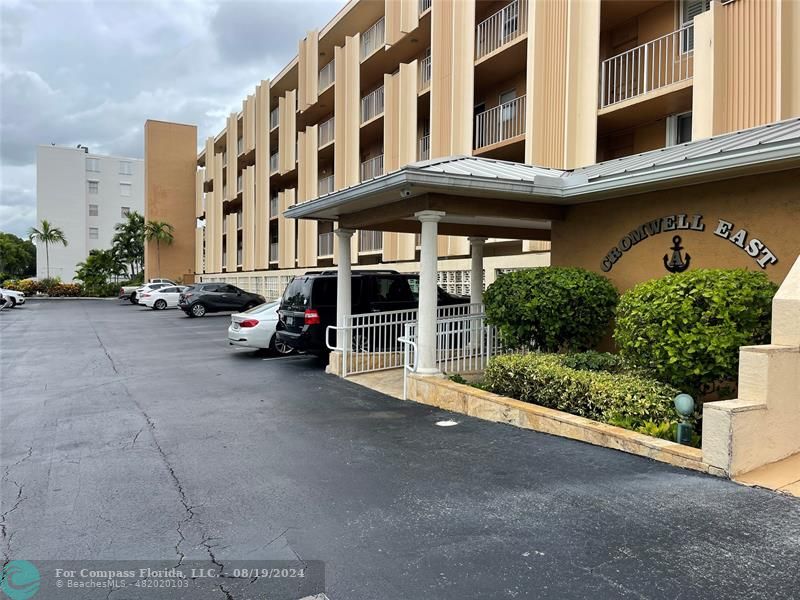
{"x": 553, "y": 309}
{"x": 622, "y": 397}
{"x": 66, "y": 289}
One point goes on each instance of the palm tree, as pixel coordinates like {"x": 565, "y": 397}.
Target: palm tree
{"x": 128, "y": 242}
{"x": 159, "y": 231}
{"x": 48, "y": 235}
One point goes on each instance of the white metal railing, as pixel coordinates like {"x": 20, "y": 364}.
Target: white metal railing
{"x": 424, "y": 72}
{"x": 500, "y": 123}
{"x": 325, "y": 185}
{"x": 239, "y": 220}
{"x": 273, "y": 252}
{"x": 325, "y": 244}
{"x": 326, "y": 132}
{"x": 648, "y": 67}
{"x": 370, "y": 241}
{"x": 372, "y": 105}
{"x": 424, "y": 152}
{"x": 238, "y": 183}
{"x": 327, "y": 75}
{"x": 373, "y": 38}
{"x": 273, "y": 207}
{"x": 273, "y": 119}
{"x": 273, "y": 163}
{"x": 505, "y": 25}
{"x": 372, "y": 167}
{"x": 424, "y": 5}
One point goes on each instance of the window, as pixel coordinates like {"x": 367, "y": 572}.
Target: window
{"x": 124, "y": 189}
{"x": 126, "y": 210}
{"x": 93, "y": 210}
{"x": 93, "y": 186}
{"x": 93, "y": 165}
{"x": 392, "y": 289}
{"x": 508, "y": 111}
{"x": 94, "y": 233}
{"x": 679, "y": 129}
{"x": 125, "y": 167}
{"x": 689, "y": 10}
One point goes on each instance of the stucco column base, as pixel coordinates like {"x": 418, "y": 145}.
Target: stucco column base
{"x": 335, "y": 363}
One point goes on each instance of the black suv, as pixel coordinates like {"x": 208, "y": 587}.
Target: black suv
{"x": 308, "y": 305}
{"x": 201, "y": 298}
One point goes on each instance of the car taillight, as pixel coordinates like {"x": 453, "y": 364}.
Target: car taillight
{"x": 248, "y": 323}
{"x": 311, "y": 317}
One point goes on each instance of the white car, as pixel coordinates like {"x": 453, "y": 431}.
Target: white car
{"x": 13, "y": 295}
{"x": 146, "y": 288}
{"x": 166, "y": 297}
{"x": 255, "y": 328}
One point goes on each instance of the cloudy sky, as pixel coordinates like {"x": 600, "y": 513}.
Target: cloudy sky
{"x": 92, "y": 71}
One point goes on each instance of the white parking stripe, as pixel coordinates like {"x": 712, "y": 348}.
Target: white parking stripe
{"x": 286, "y": 357}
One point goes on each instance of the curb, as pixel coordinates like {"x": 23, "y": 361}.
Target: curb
{"x": 31, "y": 298}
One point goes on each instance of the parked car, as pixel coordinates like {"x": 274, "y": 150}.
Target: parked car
{"x": 165, "y": 297}
{"x": 308, "y": 305}
{"x": 148, "y": 287}
{"x": 255, "y": 328}
{"x": 202, "y": 298}
{"x": 13, "y": 296}
{"x": 129, "y": 292}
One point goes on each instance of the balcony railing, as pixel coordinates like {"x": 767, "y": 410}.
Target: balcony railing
{"x": 502, "y": 27}
{"x": 372, "y": 168}
{"x": 372, "y": 105}
{"x": 325, "y": 244}
{"x": 500, "y": 123}
{"x": 656, "y": 64}
{"x": 373, "y": 38}
{"x": 425, "y": 72}
{"x": 225, "y": 192}
{"x": 238, "y": 257}
{"x": 424, "y": 152}
{"x": 273, "y": 163}
{"x": 273, "y": 119}
{"x": 238, "y": 184}
{"x": 327, "y": 75}
{"x": 325, "y": 185}
{"x": 424, "y": 5}
{"x": 240, "y": 145}
{"x": 273, "y": 207}
{"x": 273, "y": 252}
{"x": 370, "y": 241}
{"x": 326, "y": 132}
{"x": 239, "y": 220}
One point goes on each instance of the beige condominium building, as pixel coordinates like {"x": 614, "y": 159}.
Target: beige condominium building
{"x": 560, "y": 84}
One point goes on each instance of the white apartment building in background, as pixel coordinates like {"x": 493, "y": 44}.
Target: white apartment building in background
{"x": 85, "y": 195}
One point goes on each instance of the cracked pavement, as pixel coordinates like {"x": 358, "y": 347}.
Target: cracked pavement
{"x": 132, "y": 434}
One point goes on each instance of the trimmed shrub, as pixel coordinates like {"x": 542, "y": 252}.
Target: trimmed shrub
{"x": 545, "y": 380}
{"x": 594, "y": 361}
{"x": 65, "y": 289}
{"x": 101, "y": 290}
{"x": 554, "y": 309}
{"x": 686, "y": 328}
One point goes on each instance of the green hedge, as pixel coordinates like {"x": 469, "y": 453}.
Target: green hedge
{"x": 544, "y": 379}
{"x": 686, "y": 329}
{"x": 553, "y": 309}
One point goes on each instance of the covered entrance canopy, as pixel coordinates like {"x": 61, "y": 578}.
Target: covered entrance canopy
{"x": 482, "y": 198}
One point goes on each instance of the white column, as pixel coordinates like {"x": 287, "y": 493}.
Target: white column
{"x": 343, "y": 285}
{"x": 428, "y": 295}
{"x": 476, "y": 276}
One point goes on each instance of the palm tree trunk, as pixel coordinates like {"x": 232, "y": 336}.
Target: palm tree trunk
{"x": 158, "y": 256}
{"x": 47, "y": 258}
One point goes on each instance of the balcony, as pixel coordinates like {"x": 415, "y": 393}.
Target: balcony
{"x": 239, "y": 220}
{"x": 372, "y": 168}
{"x": 372, "y": 105}
{"x": 239, "y": 184}
{"x": 325, "y": 245}
{"x": 500, "y": 123}
{"x": 501, "y": 28}
{"x": 273, "y": 119}
{"x": 224, "y": 192}
{"x": 424, "y": 5}
{"x": 273, "y": 163}
{"x": 239, "y": 256}
{"x": 424, "y": 81}
{"x": 327, "y": 75}
{"x": 326, "y": 132}
{"x": 373, "y": 38}
{"x": 273, "y": 207}
{"x": 325, "y": 185}
{"x": 240, "y": 146}
{"x": 273, "y": 252}
{"x": 370, "y": 241}
{"x": 647, "y": 68}
{"x": 424, "y": 148}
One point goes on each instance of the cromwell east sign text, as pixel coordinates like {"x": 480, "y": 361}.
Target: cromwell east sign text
{"x": 754, "y": 247}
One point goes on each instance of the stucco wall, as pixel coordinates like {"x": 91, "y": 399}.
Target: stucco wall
{"x": 766, "y": 206}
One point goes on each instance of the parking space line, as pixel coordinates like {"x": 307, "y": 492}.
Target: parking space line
{"x": 286, "y": 357}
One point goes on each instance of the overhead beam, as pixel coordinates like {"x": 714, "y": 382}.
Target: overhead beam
{"x": 461, "y": 229}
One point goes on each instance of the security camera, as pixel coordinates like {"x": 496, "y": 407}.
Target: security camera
{"x": 405, "y": 193}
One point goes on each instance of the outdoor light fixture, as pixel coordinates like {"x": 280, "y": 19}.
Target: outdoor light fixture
{"x": 684, "y": 404}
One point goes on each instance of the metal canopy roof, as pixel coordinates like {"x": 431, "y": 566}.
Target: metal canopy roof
{"x": 761, "y": 149}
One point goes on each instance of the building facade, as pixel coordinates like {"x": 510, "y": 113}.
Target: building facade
{"x": 85, "y": 195}
{"x": 561, "y": 85}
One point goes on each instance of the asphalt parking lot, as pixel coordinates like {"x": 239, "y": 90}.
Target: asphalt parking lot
{"x": 130, "y": 434}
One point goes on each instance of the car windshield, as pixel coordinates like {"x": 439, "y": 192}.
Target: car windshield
{"x": 261, "y": 308}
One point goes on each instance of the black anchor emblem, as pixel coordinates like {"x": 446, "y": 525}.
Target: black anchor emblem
{"x": 676, "y": 264}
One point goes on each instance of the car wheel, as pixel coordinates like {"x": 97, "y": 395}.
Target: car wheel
{"x": 198, "y": 310}
{"x": 160, "y": 304}
{"x": 279, "y": 347}
{"x": 133, "y": 298}
{"x": 13, "y": 302}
